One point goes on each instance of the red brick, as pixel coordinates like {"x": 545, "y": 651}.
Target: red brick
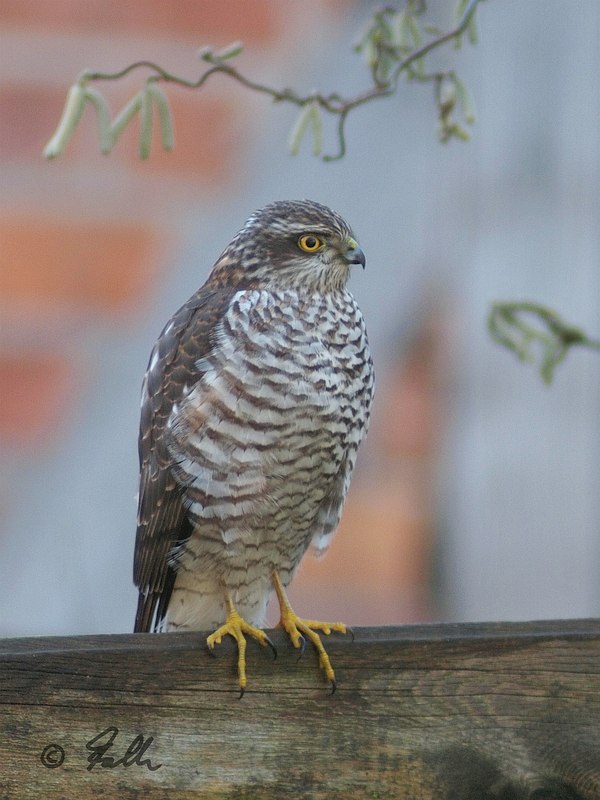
{"x": 395, "y": 556}
{"x": 214, "y": 22}
{"x": 413, "y": 411}
{"x": 28, "y": 116}
{"x": 100, "y": 266}
{"x": 35, "y": 397}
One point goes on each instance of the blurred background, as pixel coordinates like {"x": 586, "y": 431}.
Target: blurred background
{"x": 477, "y": 493}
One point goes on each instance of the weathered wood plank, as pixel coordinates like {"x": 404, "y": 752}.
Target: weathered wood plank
{"x": 482, "y": 711}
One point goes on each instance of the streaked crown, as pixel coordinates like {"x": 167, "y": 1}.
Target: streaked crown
{"x": 291, "y": 244}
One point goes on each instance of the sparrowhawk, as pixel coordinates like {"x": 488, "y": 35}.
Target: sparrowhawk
{"x": 257, "y": 395}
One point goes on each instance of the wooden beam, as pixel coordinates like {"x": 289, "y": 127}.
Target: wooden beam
{"x": 427, "y": 712}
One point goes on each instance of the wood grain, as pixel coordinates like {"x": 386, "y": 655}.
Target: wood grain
{"x": 455, "y": 712}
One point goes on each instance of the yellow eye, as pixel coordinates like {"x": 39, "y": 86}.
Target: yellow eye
{"x": 309, "y": 243}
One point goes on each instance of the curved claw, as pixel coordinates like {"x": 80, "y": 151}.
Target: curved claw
{"x": 241, "y": 694}
{"x": 333, "y": 686}
{"x": 302, "y": 647}
{"x": 272, "y": 646}
{"x": 211, "y": 651}
{"x": 350, "y": 631}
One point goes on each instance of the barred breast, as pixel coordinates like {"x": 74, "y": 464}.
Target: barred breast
{"x": 264, "y": 444}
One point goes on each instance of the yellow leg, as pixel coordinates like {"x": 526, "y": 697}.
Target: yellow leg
{"x": 236, "y": 626}
{"x": 300, "y": 629}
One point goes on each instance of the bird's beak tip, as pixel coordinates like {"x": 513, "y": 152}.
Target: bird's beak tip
{"x": 355, "y": 254}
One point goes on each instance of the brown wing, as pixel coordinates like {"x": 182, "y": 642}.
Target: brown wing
{"x": 162, "y": 518}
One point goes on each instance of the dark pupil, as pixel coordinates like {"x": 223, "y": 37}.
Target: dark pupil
{"x": 310, "y": 242}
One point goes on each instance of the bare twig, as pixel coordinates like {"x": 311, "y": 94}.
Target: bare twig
{"x": 384, "y": 46}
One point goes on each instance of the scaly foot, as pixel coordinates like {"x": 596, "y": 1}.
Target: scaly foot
{"x": 299, "y": 630}
{"x": 236, "y": 626}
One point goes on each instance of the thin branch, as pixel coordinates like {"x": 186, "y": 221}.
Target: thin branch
{"x": 460, "y": 28}
{"x": 382, "y": 55}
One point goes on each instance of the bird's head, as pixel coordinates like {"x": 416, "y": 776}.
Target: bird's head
{"x": 299, "y": 245}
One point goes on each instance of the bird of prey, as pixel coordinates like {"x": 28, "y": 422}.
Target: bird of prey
{"x": 256, "y": 398}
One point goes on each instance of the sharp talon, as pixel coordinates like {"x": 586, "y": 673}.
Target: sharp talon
{"x": 242, "y": 690}
{"x": 211, "y": 651}
{"x": 272, "y": 646}
{"x": 302, "y": 647}
{"x": 350, "y": 631}
{"x": 333, "y": 686}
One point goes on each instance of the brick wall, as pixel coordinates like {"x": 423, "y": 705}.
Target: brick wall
{"x": 74, "y": 255}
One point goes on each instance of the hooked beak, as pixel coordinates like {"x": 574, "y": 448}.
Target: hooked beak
{"x": 354, "y": 254}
